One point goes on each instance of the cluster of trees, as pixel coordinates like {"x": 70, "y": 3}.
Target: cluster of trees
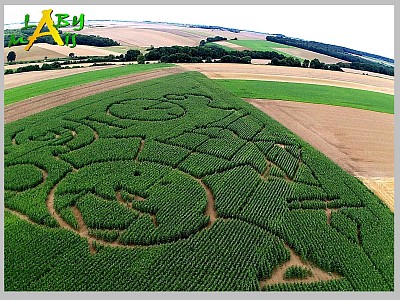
{"x": 212, "y": 39}
{"x": 199, "y": 53}
{"x": 314, "y": 64}
{"x": 53, "y": 66}
{"x": 350, "y": 55}
{"x": 286, "y": 61}
{"x": 135, "y": 55}
{"x": 93, "y": 40}
{"x": 90, "y": 40}
{"x": 370, "y": 67}
{"x": 215, "y": 28}
{"x": 236, "y": 59}
{"x": 131, "y": 55}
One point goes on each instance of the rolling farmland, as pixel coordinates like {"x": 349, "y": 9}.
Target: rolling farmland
{"x": 144, "y": 35}
{"x": 286, "y": 50}
{"x": 177, "y": 184}
{"x": 359, "y": 141}
{"x": 299, "y": 75}
{"x": 23, "y": 92}
{"x": 260, "y": 45}
{"x": 311, "y": 93}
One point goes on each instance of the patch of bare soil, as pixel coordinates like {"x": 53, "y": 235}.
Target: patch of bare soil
{"x": 291, "y": 74}
{"x": 40, "y": 103}
{"x": 210, "y": 208}
{"x": 232, "y": 45}
{"x": 359, "y": 141}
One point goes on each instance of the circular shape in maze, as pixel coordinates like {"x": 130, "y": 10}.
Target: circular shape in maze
{"x": 146, "y": 110}
{"x": 146, "y": 203}
{"x": 22, "y": 177}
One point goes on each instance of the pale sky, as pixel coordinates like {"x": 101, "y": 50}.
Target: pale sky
{"x": 367, "y": 28}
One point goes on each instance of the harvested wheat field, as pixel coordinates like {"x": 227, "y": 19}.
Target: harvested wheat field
{"x": 368, "y": 73}
{"x": 19, "y": 79}
{"x": 287, "y": 74}
{"x": 359, "y": 141}
{"x": 306, "y": 54}
{"x": 383, "y": 187}
{"x": 40, "y": 50}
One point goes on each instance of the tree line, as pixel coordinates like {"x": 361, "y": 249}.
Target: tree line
{"x": 207, "y": 53}
{"x": 313, "y": 64}
{"x": 355, "y": 62}
{"x": 198, "y": 54}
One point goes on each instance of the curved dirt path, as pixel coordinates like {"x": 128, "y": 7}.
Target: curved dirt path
{"x": 44, "y": 102}
{"x": 295, "y": 260}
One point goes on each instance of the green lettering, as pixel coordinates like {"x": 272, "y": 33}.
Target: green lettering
{"x": 73, "y": 40}
{"x": 15, "y": 42}
{"x": 61, "y": 22}
{"x": 66, "y": 39}
{"x": 27, "y": 23}
{"x": 80, "y": 21}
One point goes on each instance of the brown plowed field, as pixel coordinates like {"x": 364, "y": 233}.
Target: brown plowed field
{"x": 40, "y": 103}
{"x": 360, "y": 141}
{"x": 289, "y": 74}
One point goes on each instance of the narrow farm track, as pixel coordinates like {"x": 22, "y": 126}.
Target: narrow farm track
{"x": 41, "y": 103}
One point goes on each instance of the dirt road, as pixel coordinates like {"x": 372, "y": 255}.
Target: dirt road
{"x": 40, "y": 103}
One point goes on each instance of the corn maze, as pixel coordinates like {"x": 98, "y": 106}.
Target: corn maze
{"x": 176, "y": 184}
